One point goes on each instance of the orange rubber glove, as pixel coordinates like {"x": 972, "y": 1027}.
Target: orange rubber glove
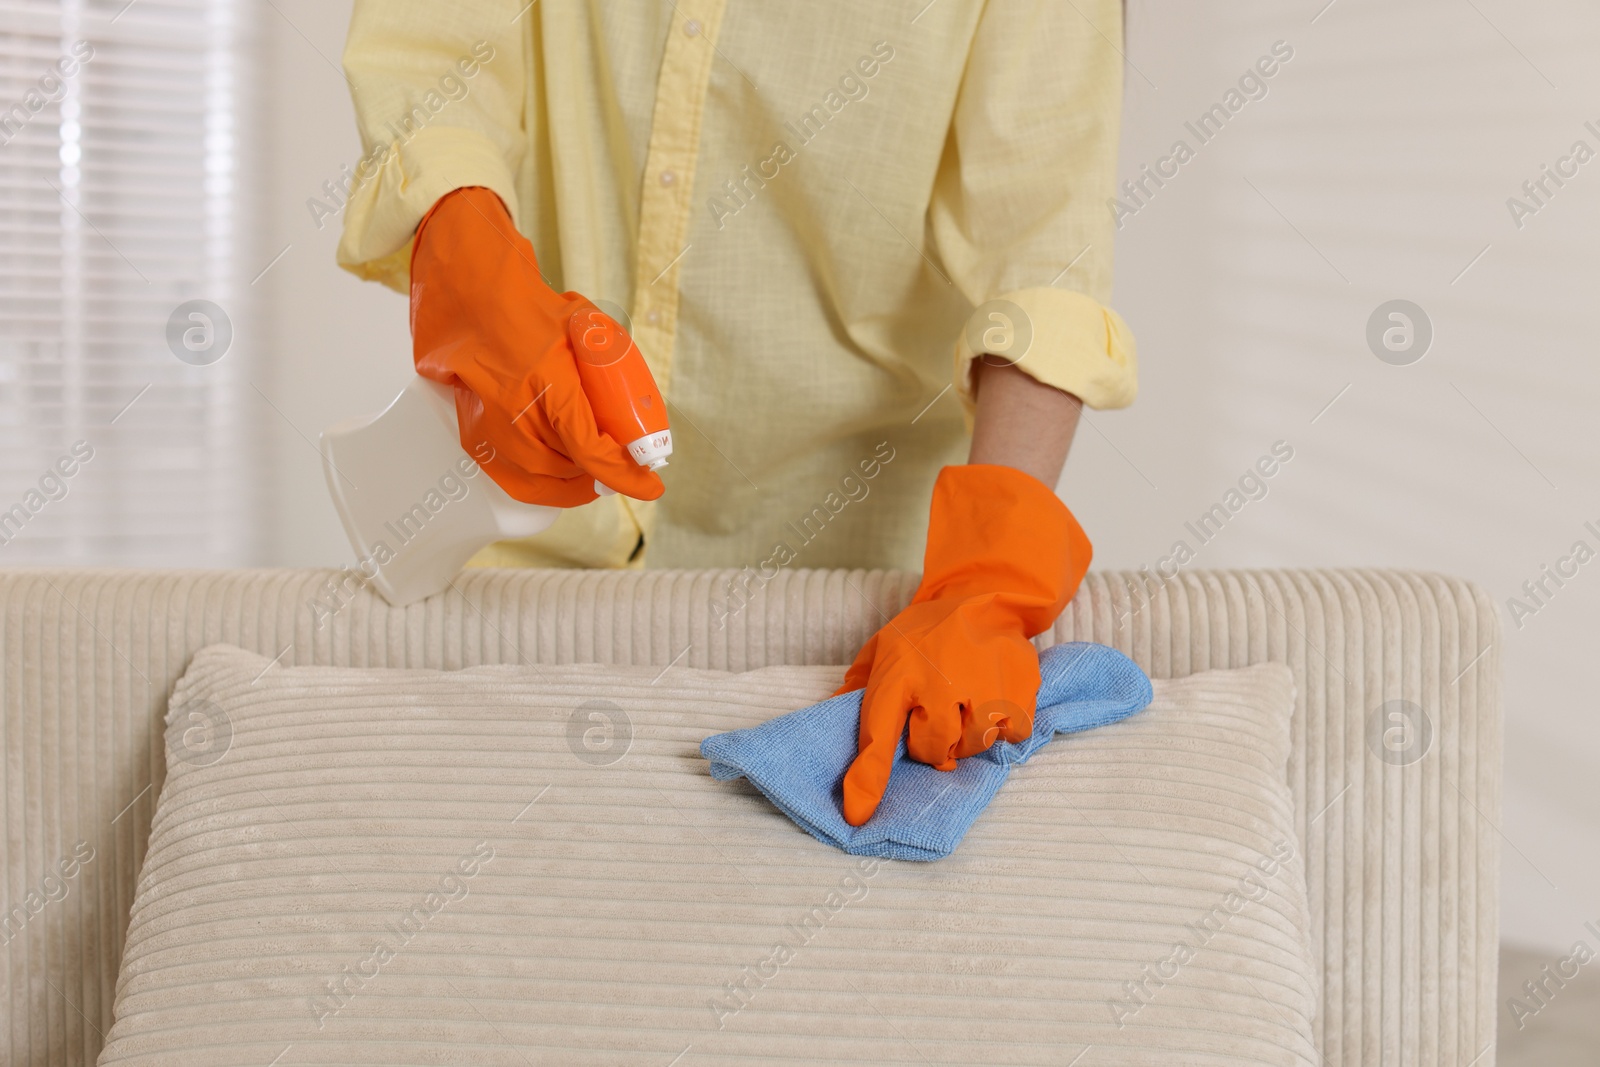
{"x": 484, "y": 321}
{"x": 1004, "y": 557}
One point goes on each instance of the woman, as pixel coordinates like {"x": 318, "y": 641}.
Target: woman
{"x": 806, "y": 210}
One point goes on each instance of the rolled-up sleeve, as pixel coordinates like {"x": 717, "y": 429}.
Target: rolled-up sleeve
{"x": 438, "y": 91}
{"x": 1019, "y": 212}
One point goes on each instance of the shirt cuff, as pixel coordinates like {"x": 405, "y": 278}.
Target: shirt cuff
{"x": 394, "y": 191}
{"x": 1059, "y": 337}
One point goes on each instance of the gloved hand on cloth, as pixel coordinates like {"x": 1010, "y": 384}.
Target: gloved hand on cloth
{"x": 485, "y": 321}
{"x": 1004, "y": 557}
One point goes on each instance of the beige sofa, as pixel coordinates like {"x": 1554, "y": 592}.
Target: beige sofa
{"x": 1398, "y": 828}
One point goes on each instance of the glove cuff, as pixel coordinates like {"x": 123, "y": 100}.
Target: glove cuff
{"x": 994, "y": 529}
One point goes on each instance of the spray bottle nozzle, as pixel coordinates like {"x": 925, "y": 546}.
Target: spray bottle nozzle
{"x": 627, "y": 404}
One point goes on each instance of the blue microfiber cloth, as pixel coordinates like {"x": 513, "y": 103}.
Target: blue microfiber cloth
{"x": 798, "y": 760}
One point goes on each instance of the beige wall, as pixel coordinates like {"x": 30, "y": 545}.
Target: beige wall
{"x": 1376, "y": 167}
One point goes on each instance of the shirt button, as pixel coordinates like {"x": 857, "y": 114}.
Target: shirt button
{"x": 667, "y": 177}
{"x": 652, "y": 316}
{"x": 692, "y": 28}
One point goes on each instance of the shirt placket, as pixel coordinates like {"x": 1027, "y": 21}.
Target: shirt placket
{"x": 665, "y": 201}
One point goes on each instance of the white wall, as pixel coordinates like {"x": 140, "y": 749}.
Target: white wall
{"x": 341, "y": 346}
{"x": 1377, "y": 167}
{"x": 1390, "y": 143}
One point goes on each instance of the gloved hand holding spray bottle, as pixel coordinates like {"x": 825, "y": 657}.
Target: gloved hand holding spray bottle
{"x": 540, "y": 390}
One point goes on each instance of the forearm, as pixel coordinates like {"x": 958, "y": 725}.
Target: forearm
{"x": 447, "y": 86}
{"x": 1021, "y": 422}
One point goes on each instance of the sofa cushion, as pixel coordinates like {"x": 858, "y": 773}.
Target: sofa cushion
{"x": 533, "y": 865}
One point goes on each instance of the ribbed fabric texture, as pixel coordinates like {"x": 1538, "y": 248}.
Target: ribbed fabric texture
{"x": 402, "y": 867}
{"x": 798, "y": 760}
{"x": 1401, "y": 861}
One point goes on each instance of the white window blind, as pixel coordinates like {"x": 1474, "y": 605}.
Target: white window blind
{"x": 122, "y": 182}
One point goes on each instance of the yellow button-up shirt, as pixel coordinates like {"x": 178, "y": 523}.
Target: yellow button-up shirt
{"x": 806, "y": 210}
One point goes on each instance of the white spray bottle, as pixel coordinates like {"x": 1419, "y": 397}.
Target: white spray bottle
{"x": 385, "y": 471}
